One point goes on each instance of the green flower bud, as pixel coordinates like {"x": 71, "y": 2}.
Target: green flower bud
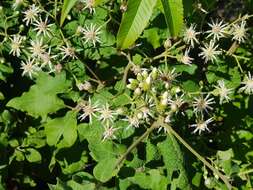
{"x": 139, "y": 77}
{"x": 154, "y": 73}
{"x": 144, "y": 74}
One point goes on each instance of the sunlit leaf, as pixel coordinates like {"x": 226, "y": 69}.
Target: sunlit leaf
{"x": 42, "y": 97}
{"x": 174, "y": 15}
{"x": 134, "y": 20}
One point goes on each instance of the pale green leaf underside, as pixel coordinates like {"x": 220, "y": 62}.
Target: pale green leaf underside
{"x": 174, "y": 15}
{"x": 62, "y": 132}
{"x": 174, "y": 161}
{"x": 42, "y": 98}
{"x": 134, "y": 20}
{"x": 105, "y": 169}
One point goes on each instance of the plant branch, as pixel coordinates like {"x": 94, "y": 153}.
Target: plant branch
{"x": 128, "y": 67}
{"x": 202, "y": 159}
{"x": 135, "y": 143}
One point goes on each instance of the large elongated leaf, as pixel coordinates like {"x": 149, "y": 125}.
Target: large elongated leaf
{"x": 174, "y": 15}
{"x": 67, "y": 6}
{"x": 42, "y": 98}
{"x": 174, "y": 161}
{"x": 134, "y": 21}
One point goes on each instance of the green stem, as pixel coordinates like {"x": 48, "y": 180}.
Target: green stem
{"x": 221, "y": 176}
{"x": 135, "y": 143}
{"x": 55, "y": 9}
{"x": 238, "y": 63}
{"x": 129, "y": 65}
{"x": 246, "y": 172}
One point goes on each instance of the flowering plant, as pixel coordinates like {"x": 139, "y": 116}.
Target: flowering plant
{"x": 137, "y": 94}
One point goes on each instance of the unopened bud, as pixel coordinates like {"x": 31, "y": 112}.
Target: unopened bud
{"x": 167, "y": 119}
{"x": 58, "y": 68}
{"x": 2, "y": 60}
{"x": 139, "y": 77}
{"x": 137, "y": 91}
{"x": 79, "y": 30}
{"x": 173, "y": 107}
{"x": 21, "y": 27}
{"x": 167, "y": 44}
{"x": 144, "y": 74}
{"x": 148, "y": 80}
{"x": 120, "y": 111}
{"x": 140, "y": 115}
{"x": 154, "y": 73}
{"x": 123, "y": 7}
{"x": 16, "y": 13}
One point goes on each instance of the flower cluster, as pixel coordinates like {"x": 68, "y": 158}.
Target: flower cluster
{"x": 160, "y": 86}
{"x": 37, "y": 52}
{"x": 103, "y": 113}
{"x": 210, "y": 48}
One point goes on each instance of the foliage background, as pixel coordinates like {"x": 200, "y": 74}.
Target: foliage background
{"x": 43, "y": 145}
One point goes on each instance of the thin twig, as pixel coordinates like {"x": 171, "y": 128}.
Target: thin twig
{"x": 135, "y": 143}
{"x": 128, "y": 67}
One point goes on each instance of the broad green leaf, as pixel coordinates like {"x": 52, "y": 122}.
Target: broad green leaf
{"x": 152, "y": 37}
{"x": 42, "y": 98}
{"x": 174, "y": 15}
{"x": 62, "y": 132}
{"x": 174, "y": 161}
{"x": 186, "y": 68}
{"x": 151, "y": 152}
{"x": 90, "y": 131}
{"x": 196, "y": 180}
{"x": 150, "y": 180}
{"x": 190, "y": 86}
{"x": 36, "y": 140}
{"x": 105, "y": 169}
{"x": 76, "y": 186}
{"x": 32, "y": 155}
{"x": 134, "y": 20}
{"x": 70, "y": 168}
{"x": 121, "y": 100}
{"x": 100, "y": 150}
{"x": 67, "y": 6}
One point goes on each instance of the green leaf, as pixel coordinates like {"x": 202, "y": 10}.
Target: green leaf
{"x": 70, "y": 168}
{"x": 186, "y": 68}
{"x": 174, "y": 15}
{"x": 90, "y": 131}
{"x": 100, "y": 150}
{"x": 152, "y": 152}
{"x": 76, "y": 186}
{"x": 42, "y": 98}
{"x": 32, "y": 155}
{"x": 134, "y": 20}
{"x": 67, "y": 6}
{"x": 121, "y": 100}
{"x": 196, "y": 180}
{"x": 150, "y": 180}
{"x": 62, "y": 132}
{"x": 105, "y": 169}
{"x": 174, "y": 161}
{"x": 190, "y": 86}
{"x": 152, "y": 37}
